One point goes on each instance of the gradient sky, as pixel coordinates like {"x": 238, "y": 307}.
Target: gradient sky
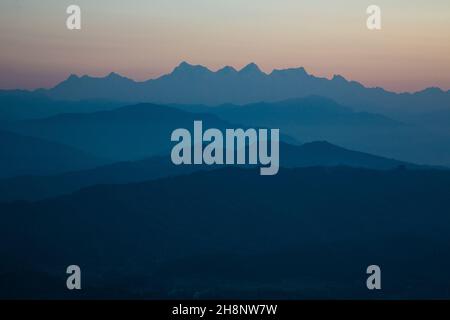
{"x": 144, "y": 39}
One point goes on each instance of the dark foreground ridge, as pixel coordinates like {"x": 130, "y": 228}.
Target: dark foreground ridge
{"x": 304, "y": 233}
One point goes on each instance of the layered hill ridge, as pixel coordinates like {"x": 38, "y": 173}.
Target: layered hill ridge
{"x": 138, "y": 131}
{"x": 20, "y": 155}
{"x": 232, "y": 229}
{"x": 127, "y": 133}
{"x": 315, "y": 154}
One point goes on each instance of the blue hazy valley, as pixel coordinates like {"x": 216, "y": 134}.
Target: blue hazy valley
{"x": 86, "y": 177}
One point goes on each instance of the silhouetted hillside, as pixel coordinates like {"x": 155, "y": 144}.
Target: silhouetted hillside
{"x": 316, "y": 118}
{"x": 322, "y": 153}
{"x": 127, "y": 133}
{"x": 304, "y": 233}
{"x": 20, "y": 105}
{"x": 20, "y": 155}
{"x": 139, "y": 131}
{"x": 311, "y": 110}
{"x": 307, "y": 155}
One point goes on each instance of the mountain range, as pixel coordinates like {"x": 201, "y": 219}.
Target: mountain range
{"x": 196, "y": 84}
{"x": 315, "y": 118}
{"x": 86, "y": 178}
{"x": 307, "y": 111}
{"x": 134, "y": 132}
{"x": 127, "y": 133}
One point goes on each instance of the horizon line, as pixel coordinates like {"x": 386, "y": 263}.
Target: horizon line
{"x": 249, "y": 66}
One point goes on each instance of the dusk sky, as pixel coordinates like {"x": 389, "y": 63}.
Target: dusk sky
{"x": 144, "y": 39}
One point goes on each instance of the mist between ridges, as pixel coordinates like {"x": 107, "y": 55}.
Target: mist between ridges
{"x": 234, "y": 146}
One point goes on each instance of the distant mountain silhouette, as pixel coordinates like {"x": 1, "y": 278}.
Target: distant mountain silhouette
{"x": 189, "y": 84}
{"x": 139, "y": 131}
{"x": 85, "y": 178}
{"x": 232, "y": 233}
{"x": 406, "y": 126}
{"x": 311, "y": 110}
{"x": 20, "y": 155}
{"x": 307, "y": 155}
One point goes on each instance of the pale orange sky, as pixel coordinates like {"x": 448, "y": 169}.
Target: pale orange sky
{"x": 144, "y": 39}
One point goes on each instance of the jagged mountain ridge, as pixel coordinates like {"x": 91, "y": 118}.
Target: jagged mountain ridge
{"x": 197, "y": 84}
